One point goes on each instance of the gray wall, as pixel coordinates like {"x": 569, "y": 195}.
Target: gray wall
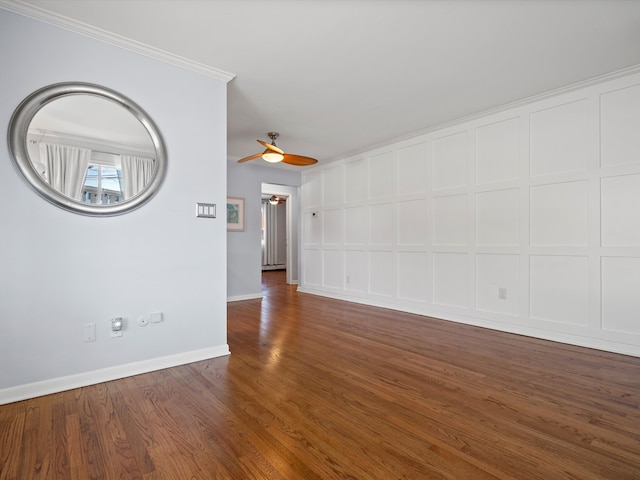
{"x": 61, "y": 270}
{"x": 244, "y": 254}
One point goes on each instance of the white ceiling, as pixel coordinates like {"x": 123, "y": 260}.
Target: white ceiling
{"x": 336, "y": 77}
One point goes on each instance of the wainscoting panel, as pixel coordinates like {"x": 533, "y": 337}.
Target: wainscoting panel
{"x": 498, "y": 217}
{"x": 619, "y": 127}
{"x": 559, "y": 139}
{"x": 450, "y": 220}
{"x": 498, "y": 152}
{"x": 450, "y": 155}
{"x": 523, "y": 219}
{"x": 559, "y": 214}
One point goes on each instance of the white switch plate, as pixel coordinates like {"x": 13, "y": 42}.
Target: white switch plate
{"x": 206, "y": 210}
{"x": 89, "y": 332}
{"x": 156, "y": 317}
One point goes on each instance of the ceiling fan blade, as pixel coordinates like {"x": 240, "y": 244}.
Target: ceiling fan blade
{"x": 252, "y": 157}
{"x": 298, "y": 160}
{"x": 271, "y": 147}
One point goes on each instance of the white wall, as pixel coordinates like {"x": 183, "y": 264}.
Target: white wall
{"x": 244, "y": 250}
{"x": 61, "y": 270}
{"x": 536, "y": 203}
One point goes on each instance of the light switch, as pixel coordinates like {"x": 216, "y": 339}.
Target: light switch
{"x": 206, "y": 210}
{"x": 155, "y": 317}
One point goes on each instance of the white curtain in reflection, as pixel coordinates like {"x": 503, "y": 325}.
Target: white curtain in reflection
{"x": 136, "y": 174}
{"x": 66, "y": 167}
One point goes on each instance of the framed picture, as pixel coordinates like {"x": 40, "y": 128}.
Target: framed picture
{"x": 235, "y": 214}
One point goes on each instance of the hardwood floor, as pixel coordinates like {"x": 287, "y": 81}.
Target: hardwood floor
{"x": 323, "y": 389}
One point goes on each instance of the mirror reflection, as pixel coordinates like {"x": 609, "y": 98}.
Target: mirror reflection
{"x": 91, "y": 149}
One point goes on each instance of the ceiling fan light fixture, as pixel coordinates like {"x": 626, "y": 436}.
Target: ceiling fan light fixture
{"x": 271, "y": 156}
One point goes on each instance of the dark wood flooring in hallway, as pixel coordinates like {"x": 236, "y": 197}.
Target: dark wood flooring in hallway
{"x": 322, "y": 389}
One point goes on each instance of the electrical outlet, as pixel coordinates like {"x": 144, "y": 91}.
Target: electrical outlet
{"x": 502, "y": 293}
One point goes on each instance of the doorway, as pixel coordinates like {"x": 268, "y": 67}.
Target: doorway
{"x": 285, "y": 228}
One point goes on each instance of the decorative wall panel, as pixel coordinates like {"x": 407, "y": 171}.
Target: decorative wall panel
{"x": 412, "y": 223}
{"x": 312, "y": 228}
{"x": 333, "y": 227}
{"x": 619, "y": 211}
{"x": 498, "y": 217}
{"x": 559, "y": 214}
{"x": 450, "y": 220}
{"x": 333, "y": 268}
{"x": 381, "y": 225}
{"x": 312, "y": 267}
{"x": 620, "y": 124}
{"x": 312, "y": 190}
{"x": 412, "y": 169}
{"x": 450, "y": 154}
{"x": 355, "y": 179}
{"x": 451, "y": 279}
{"x": 498, "y": 283}
{"x": 559, "y": 289}
{"x": 356, "y": 226}
{"x": 333, "y": 186}
{"x": 381, "y": 174}
{"x": 356, "y": 270}
{"x": 498, "y": 152}
{"x": 381, "y": 276}
{"x": 559, "y": 139}
{"x": 412, "y": 276}
{"x": 620, "y": 299}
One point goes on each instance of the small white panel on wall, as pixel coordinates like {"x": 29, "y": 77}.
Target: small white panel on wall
{"x": 356, "y": 270}
{"x": 559, "y": 139}
{"x": 559, "y": 214}
{"x": 381, "y": 226}
{"x": 412, "y": 169}
{"x": 312, "y": 224}
{"x": 620, "y": 198}
{"x": 498, "y": 152}
{"x": 312, "y": 267}
{"x": 620, "y": 299}
{"x": 450, "y": 279}
{"x": 619, "y": 126}
{"x": 333, "y": 267}
{"x": 412, "y": 276}
{"x": 332, "y": 226}
{"x": 312, "y": 190}
{"x": 497, "y": 283}
{"x": 498, "y": 217}
{"x": 355, "y": 174}
{"x": 333, "y": 186}
{"x": 412, "y": 223}
{"x": 559, "y": 289}
{"x": 381, "y": 277}
{"x": 356, "y": 226}
{"x": 381, "y": 171}
{"x": 450, "y": 155}
{"x": 450, "y": 220}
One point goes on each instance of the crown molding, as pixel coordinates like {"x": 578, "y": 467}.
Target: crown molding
{"x": 67, "y": 23}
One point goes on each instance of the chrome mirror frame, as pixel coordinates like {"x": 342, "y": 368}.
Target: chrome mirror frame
{"x": 17, "y": 139}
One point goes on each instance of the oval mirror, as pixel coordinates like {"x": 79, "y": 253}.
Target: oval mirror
{"x": 87, "y": 149}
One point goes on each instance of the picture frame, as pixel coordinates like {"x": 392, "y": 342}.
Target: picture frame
{"x": 235, "y": 214}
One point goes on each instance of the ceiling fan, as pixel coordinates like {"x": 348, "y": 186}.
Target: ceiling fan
{"x": 274, "y": 154}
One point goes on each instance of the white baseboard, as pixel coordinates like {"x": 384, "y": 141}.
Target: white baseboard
{"x": 250, "y": 296}
{"x": 55, "y": 385}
